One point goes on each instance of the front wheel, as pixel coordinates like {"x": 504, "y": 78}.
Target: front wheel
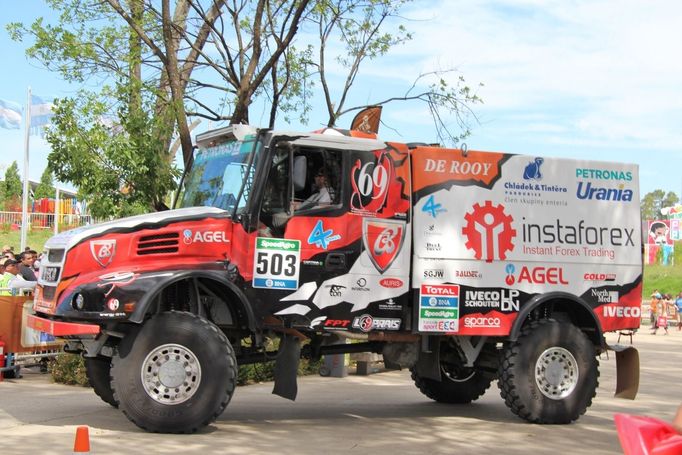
{"x": 550, "y": 373}
{"x": 98, "y": 372}
{"x": 175, "y": 375}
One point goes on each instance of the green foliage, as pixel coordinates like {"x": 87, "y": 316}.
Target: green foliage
{"x": 68, "y": 369}
{"x": 45, "y": 188}
{"x": 35, "y": 238}
{"x": 119, "y": 168}
{"x": 12, "y": 188}
{"x": 652, "y": 203}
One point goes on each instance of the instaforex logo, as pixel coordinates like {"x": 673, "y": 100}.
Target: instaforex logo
{"x": 489, "y": 231}
{"x": 532, "y": 190}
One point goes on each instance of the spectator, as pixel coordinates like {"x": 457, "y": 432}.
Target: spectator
{"x": 653, "y": 305}
{"x": 27, "y": 259}
{"x": 6, "y": 249}
{"x": 13, "y": 280}
{"x": 678, "y": 308}
{"x": 660, "y": 312}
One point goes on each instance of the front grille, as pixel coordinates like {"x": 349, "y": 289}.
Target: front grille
{"x": 158, "y": 244}
{"x": 49, "y": 292}
{"x": 55, "y": 255}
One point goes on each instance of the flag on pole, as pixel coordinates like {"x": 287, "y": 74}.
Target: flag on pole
{"x": 41, "y": 113}
{"x": 10, "y": 115}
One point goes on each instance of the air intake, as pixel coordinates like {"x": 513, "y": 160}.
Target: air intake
{"x": 158, "y": 244}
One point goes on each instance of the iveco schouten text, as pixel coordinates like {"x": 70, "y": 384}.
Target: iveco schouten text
{"x": 465, "y": 267}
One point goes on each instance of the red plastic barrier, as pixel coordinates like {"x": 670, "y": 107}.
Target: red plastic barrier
{"x": 641, "y": 435}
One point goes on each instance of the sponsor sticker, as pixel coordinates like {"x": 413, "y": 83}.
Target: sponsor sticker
{"x": 103, "y": 251}
{"x": 276, "y": 263}
{"x": 439, "y": 308}
{"x": 368, "y": 323}
{"x": 320, "y": 237}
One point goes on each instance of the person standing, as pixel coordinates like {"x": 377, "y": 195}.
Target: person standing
{"x": 11, "y": 282}
{"x": 653, "y": 310}
{"x": 678, "y": 308}
{"x": 661, "y": 313}
{"x": 27, "y": 259}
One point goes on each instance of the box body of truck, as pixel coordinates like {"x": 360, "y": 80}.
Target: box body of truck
{"x": 464, "y": 267}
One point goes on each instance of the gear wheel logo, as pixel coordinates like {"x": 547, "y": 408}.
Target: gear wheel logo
{"x": 489, "y": 231}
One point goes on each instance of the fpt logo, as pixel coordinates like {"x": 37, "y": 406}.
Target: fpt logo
{"x": 489, "y": 232}
{"x": 383, "y": 240}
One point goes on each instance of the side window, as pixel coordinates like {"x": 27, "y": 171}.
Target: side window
{"x": 322, "y": 185}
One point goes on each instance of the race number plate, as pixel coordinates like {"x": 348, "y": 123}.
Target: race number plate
{"x": 276, "y": 263}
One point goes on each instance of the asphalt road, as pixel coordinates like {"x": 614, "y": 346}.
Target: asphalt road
{"x": 381, "y": 413}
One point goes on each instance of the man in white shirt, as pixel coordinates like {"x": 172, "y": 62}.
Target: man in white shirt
{"x": 13, "y": 280}
{"x": 324, "y": 194}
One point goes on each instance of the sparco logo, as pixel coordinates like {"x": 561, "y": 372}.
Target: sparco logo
{"x": 472, "y": 322}
{"x": 367, "y": 323}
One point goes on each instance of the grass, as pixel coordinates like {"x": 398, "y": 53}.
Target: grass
{"x": 667, "y": 279}
{"x": 35, "y": 238}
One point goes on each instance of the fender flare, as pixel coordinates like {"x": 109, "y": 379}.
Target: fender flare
{"x": 143, "y": 304}
{"x": 543, "y": 299}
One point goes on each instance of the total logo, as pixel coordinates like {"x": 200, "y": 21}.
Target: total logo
{"x": 482, "y": 322}
{"x": 535, "y": 275}
{"x": 190, "y": 237}
{"x": 367, "y": 323}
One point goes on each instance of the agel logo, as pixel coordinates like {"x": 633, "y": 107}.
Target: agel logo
{"x": 535, "y": 275}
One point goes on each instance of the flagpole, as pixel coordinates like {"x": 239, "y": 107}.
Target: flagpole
{"x": 24, "y": 208}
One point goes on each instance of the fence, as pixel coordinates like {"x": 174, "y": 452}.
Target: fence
{"x": 10, "y": 220}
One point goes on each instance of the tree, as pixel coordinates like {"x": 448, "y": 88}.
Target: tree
{"x": 359, "y": 26}
{"x": 45, "y": 188}
{"x": 163, "y": 63}
{"x": 652, "y": 203}
{"x": 13, "y": 188}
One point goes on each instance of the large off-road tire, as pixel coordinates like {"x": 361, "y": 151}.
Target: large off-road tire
{"x": 98, "y": 372}
{"x": 458, "y": 385}
{"x": 550, "y": 374}
{"x": 176, "y": 374}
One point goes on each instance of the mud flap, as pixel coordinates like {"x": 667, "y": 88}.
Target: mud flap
{"x": 627, "y": 371}
{"x": 286, "y": 367}
{"x": 428, "y": 364}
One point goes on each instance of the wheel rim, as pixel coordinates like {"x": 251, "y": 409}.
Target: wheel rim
{"x": 171, "y": 374}
{"x": 556, "y": 373}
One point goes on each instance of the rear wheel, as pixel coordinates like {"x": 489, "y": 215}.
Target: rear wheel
{"x": 98, "y": 371}
{"x": 458, "y": 385}
{"x": 175, "y": 375}
{"x": 550, "y": 374}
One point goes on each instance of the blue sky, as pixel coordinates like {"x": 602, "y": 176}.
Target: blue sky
{"x": 585, "y": 79}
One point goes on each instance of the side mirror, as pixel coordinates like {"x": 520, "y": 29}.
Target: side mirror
{"x": 300, "y": 170}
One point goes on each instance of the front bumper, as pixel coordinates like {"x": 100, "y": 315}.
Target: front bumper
{"x": 62, "y": 329}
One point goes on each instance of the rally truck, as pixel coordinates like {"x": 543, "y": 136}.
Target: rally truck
{"x": 465, "y": 267}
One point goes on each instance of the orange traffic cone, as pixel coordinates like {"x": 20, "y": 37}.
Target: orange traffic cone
{"x": 82, "y": 442}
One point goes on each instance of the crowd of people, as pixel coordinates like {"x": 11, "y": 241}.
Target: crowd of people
{"x": 662, "y": 306}
{"x": 18, "y": 272}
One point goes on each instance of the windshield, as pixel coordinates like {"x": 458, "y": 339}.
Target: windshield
{"x": 218, "y": 173}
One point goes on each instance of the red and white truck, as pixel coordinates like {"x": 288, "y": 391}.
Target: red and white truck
{"x": 465, "y": 267}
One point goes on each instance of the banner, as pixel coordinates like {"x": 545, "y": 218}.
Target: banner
{"x": 10, "y": 115}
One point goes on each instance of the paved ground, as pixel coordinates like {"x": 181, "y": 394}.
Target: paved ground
{"x": 382, "y": 413}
